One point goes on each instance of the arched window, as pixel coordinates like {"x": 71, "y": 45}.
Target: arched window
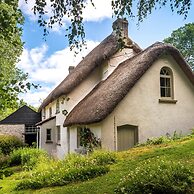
{"x": 166, "y": 83}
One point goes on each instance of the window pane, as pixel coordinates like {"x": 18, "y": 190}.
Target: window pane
{"x": 50, "y": 112}
{"x": 162, "y": 92}
{"x": 168, "y": 93}
{"x": 167, "y": 82}
{"x": 162, "y": 81}
{"x": 48, "y": 134}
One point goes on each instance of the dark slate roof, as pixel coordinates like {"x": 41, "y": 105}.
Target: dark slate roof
{"x": 23, "y": 115}
{"x": 44, "y": 121}
{"x": 102, "y": 100}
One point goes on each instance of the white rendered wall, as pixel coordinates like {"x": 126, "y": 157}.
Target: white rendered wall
{"x": 141, "y": 107}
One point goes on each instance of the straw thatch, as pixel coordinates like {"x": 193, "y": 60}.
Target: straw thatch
{"x": 103, "y": 51}
{"x": 102, "y": 100}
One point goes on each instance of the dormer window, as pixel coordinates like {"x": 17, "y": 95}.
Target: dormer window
{"x": 44, "y": 113}
{"x": 50, "y": 112}
{"x": 57, "y": 106}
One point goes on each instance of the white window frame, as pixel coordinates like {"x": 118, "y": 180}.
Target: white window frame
{"x": 166, "y": 83}
{"x": 48, "y": 134}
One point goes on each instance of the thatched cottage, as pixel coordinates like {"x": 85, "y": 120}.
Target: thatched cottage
{"x": 123, "y": 96}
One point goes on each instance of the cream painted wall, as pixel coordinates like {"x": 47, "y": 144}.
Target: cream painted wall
{"x": 96, "y": 129}
{"x": 73, "y": 139}
{"x": 118, "y": 58}
{"x": 141, "y": 106}
{"x": 70, "y": 101}
{"x": 49, "y": 147}
{"x": 109, "y": 133}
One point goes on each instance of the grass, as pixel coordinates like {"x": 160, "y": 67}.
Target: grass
{"x": 180, "y": 150}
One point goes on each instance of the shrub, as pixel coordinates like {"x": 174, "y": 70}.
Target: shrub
{"x": 72, "y": 169}
{"x": 88, "y": 139}
{"x": 163, "y": 139}
{"x": 62, "y": 177}
{"x": 157, "y": 176}
{"x": 8, "y": 143}
{"x": 5, "y": 173}
{"x": 27, "y": 157}
{"x": 4, "y": 161}
{"x": 103, "y": 157}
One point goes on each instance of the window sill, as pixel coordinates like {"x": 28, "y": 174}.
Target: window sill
{"x": 168, "y": 101}
{"x": 49, "y": 141}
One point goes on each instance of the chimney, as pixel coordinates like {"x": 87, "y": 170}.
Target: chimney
{"x": 71, "y": 68}
{"x": 122, "y": 25}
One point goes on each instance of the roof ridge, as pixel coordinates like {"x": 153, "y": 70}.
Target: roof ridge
{"x": 94, "y": 107}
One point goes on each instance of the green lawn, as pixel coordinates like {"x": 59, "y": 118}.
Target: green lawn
{"x": 181, "y": 150}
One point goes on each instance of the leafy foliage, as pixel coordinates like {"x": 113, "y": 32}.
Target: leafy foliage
{"x": 104, "y": 157}
{"x": 162, "y": 139}
{"x": 27, "y": 157}
{"x": 73, "y": 168}
{"x": 5, "y": 173}
{"x": 12, "y": 79}
{"x": 88, "y": 139}
{"x": 183, "y": 39}
{"x": 8, "y": 143}
{"x": 157, "y": 176}
{"x": 4, "y": 161}
{"x": 73, "y": 9}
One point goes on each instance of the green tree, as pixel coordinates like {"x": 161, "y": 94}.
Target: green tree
{"x": 12, "y": 79}
{"x": 73, "y": 9}
{"x": 183, "y": 39}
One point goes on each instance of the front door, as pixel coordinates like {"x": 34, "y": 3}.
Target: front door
{"x": 127, "y": 137}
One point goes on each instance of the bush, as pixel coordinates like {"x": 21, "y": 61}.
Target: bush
{"x": 4, "y": 161}
{"x": 8, "y": 143}
{"x": 72, "y": 169}
{"x": 157, "y": 176}
{"x": 27, "y": 157}
{"x": 5, "y": 173}
{"x": 62, "y": 177}
{"x": 104, "y": 157}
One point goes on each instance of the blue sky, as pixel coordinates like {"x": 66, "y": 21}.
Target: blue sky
{"x": 47, "y": 61}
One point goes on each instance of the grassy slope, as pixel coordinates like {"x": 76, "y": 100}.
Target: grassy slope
{"x": 177, "y": 151}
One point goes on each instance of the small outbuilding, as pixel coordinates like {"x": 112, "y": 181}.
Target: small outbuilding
{"x": 21, "y": 123}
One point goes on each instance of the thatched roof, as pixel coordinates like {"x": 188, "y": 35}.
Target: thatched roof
{"x": 107, "y": 48}
{"x": 102, "y": 100}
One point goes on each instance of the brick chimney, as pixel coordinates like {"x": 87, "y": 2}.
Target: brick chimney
{"x": 71, "y": 68}
{"x": 122, "y": 25}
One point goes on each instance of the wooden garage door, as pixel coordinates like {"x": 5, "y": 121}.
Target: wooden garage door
{"x": 126, "y": 137}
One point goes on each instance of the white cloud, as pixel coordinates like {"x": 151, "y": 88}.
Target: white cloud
{"x": 48, "y": 70}
{"x": 35, "y": 97}
{"x": 101, "y": 11}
